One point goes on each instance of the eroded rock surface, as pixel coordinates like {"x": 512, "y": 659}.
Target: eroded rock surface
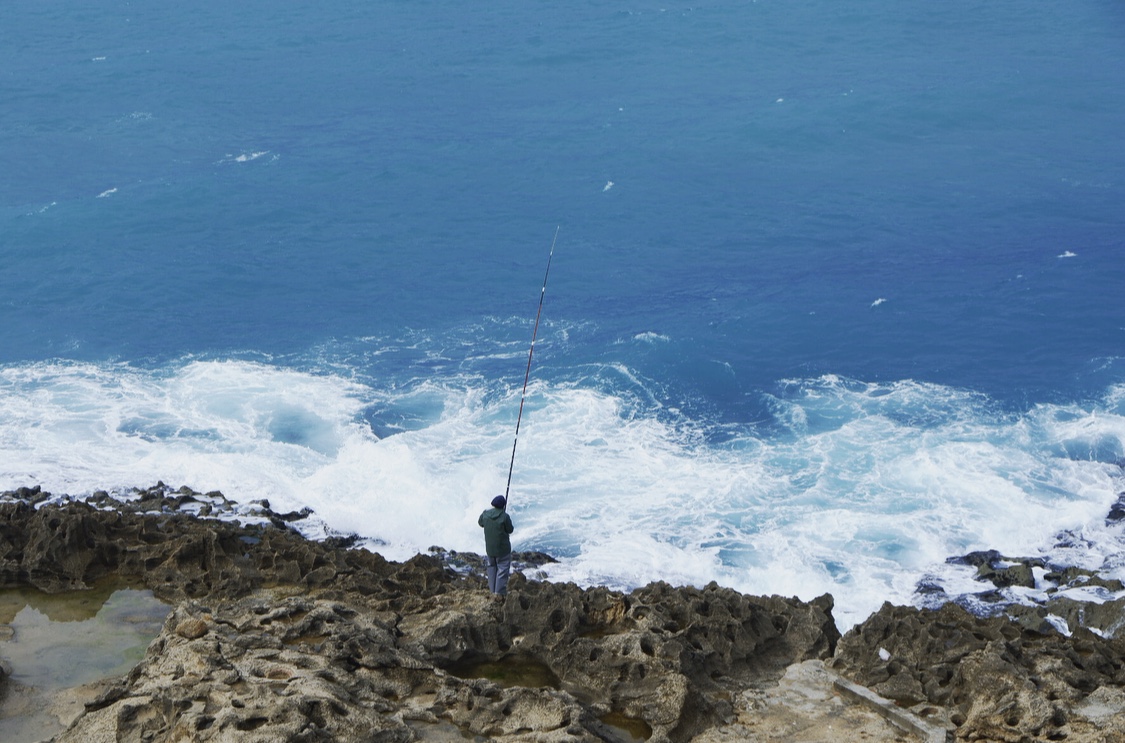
{"x": 998, "y": 680}
{"x": 275, "y": 637}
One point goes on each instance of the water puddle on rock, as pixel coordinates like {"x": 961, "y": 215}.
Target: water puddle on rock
{"x": 515, "y": 670}
{"x": 61, "y": 648}
{"x": 628, "y": 729}
{"x": 509, "y": 671}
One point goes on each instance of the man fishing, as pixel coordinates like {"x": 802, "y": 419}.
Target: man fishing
{"x": 497, "y": 526}
{"x": 496, "y": 522}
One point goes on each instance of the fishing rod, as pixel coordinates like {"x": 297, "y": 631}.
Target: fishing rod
{"x": 527, "y": 374}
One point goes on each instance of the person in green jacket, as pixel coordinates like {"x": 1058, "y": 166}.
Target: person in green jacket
{"x": 497, "y": 525}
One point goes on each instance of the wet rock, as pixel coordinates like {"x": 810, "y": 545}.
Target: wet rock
{"x": 1107, "y": 618}
{"x": 929, "y": 586}
{"x": 1003, "y": 577}
{"x": 32, "y": 496}
{"x": 472, "y": 563}
{"x": 999, "y": 570}
{"x": 1113, "y": 585}
{"x": 295, "y": 515}
{"x": 1072, "y": 540}
{"x": 1116, "y": 511}
{"x": 975, "y": 559}
{"x": 1070, "y": 577}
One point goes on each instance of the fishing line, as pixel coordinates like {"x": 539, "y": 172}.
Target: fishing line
{"x": 527, "y": 374}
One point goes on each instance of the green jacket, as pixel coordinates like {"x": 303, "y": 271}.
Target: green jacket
{"x": 497, "y": 526}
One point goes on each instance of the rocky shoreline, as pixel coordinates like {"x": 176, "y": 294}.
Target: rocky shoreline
{"x": 272, "y": 636}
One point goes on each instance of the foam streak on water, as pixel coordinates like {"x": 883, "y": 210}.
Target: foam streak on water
{"x": 857, "y": 489}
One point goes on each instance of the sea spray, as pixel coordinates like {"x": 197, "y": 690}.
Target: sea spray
{"x": 858, "y": 489}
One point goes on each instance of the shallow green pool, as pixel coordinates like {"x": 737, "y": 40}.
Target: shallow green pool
{"x": 55, "y": 642}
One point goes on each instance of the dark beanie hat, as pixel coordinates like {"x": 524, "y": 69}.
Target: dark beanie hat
{"x": 499, "y": 501}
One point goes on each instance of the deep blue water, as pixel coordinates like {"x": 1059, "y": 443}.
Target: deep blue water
{"x": 818, "y": 264}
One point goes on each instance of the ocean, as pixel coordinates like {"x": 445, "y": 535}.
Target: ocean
{"x": 836, "y": 293}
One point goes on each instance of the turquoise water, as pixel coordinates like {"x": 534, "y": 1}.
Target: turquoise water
{"x": 836, "y": 292}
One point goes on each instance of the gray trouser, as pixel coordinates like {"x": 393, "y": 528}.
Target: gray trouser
{"x": 497, "y": 569}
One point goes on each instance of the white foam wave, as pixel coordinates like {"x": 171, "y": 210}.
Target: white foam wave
{"x": 78, "y": 427}
{"x": 1115, "y": 399}
{"x": 864, "y": 488}
{"x": 107, "y": 192}
{"x": 246, "y": 157}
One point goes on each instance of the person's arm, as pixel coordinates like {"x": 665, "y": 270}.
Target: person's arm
{"x": 508, "y": 527}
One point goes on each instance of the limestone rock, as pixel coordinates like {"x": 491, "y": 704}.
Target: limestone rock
{"x": 1001, "y": 681}
{"x": 275, "y": 637}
